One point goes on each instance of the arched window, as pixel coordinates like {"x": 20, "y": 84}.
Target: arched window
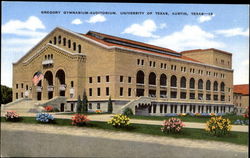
{"x": 140, "y": 77}
{"x": 208, "y": 85}
{"x": 192, "y": 83}
{"x": 222, "y": 86}
{"x": 54, "y": 40}
{"x": 48, "y": 57}
{"x": 79, "y": 48}
{"x": 215, "y": 86}
{"x": 74, "y": 45}
{"x": 64, "y": 41}
{"x": 59, "y": 39}
{"x": 69, "y": 43}
{"x": 45, "y": 57}
{"x": 163, "y": 80}
{"x": 200, "y": 84}
{"x": 173, "y": 81}
{"x": 152, "y": 78}
{"x": 183, "y": 82}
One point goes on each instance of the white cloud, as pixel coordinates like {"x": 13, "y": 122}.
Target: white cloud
{"x": 233, "y": 32}
{"x": 96, "y": 18}
{"x": 76, "y": 21}
{"x": 205, "y": 18}
{"x": 190, "y": 37}
{"x": 145, "y": 29}
{"x": 24, "y": 28}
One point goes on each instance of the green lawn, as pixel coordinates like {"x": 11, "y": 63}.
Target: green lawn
{"x": 234, "y": 137}
{"x": 199, "y": 119}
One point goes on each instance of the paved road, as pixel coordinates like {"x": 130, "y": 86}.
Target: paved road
{"x": 33, "y": 144}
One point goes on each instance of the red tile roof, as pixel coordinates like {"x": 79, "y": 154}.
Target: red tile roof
{"x": 203, "y": 50}
{"x": 137, "y": 43}
{"x": 242, "y": 89}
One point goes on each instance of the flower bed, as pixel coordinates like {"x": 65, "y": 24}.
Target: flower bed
{"x": 12, "y": 116}
{"x": 79, "y": 120}
{"x": 44, "y": 118}
{"x": 119, "y": 121}
{"x": 218, "y": 126}
{"x": 172, "y": 125}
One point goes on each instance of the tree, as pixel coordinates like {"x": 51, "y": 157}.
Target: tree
{"x": 79, "y": 105}
{"x": 110, "y": 106}
{"x": 6, "y": 94}
{"x": 84, "y": 103}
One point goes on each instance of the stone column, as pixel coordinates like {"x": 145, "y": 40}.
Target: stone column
{"x": 168, "y": 108}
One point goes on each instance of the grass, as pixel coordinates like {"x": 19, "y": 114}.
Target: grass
{"x": 198, "y": 119}
{"x": 190, "y": 133}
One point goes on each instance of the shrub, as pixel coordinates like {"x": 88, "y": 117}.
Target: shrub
{"x": 172, "y": 125}
{"x": 79, "y": 120}
{"x": 218, "y": 126}
{"x": 12, "y": 116}
{"x": 44, "y": 118}
{"x": 182, "y": 114}
{"x": 119, "y": 121}
{"x": 49, "y": 108}
{"x": 98, "y": 111}
{"x": 128, "y": 112}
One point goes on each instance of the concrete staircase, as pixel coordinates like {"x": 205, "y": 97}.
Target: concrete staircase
{"x": 26, "y": 105}
{"x": 22, "y": 106}
{"x": 133, "y": 103}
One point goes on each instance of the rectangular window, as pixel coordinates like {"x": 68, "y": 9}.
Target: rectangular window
{"x": 192, "y": 95}
{"x": 98, "y": 106}
{"x": 154, "y": 64}
{"x": 200, "y": 96}
{"x": 98, "y": 91}
{"x": 161, "y": 65}
{"x": 90, "y": 106}
{"x": 16, "y": 95}
{"x": 21, "y": 94}
{"x": 222, "y": 98}
{"x": 129, "y": 79}
{"x": 138, "y": 61}
{"x": 121, "y": 78}
{"x": 121, "y": 91}
{"x": 173, "y": 94}
{"x": 98, "y": 79}
{"x": 27, "y": 87}
{"x": 129, "y": 91}
{"x": 150, "y": 63}
{"x": 90, "y": 79}
{"x": 208, "y": 96}
{"x": 16, "y": 86}
{"x": 163, "y": 94}
{"x": 183, "y": 95}
{"x": 107, "y": 91}
{"x": 216, "y": 97}
{"x": 165, "y": 66}
{"x": 107, "y": 78}
{"x": 90, "y": 91}
{"x": 72, "y": 84}
{"x": 142, "y": 62}
{"x": 22, "y": 85}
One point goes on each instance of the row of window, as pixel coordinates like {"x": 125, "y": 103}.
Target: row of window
{"x": 173, "y": 81}
{"x": 98, "y": 92}
{"x": 223, "y": 62}
{"x": 182, "y": 68}
{"x": 27, "y": 87}
{"x": 98, "y": 79}
{"x": 49, "y": 56}
{"x": 66, "y": 42}
{"x": 183, "y": 109}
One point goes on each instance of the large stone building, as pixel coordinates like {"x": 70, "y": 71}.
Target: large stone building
{"x": 241, "y": 97}
{"x": 149, "y": 79}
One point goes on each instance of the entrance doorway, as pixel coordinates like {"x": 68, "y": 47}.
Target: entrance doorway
{"x": 62, "y": 107}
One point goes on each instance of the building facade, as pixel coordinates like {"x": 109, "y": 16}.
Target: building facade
{"x": 150, "y": 80}
{"x": 241, "y": 97}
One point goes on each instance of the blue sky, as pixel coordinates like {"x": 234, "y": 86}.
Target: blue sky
{"x": 227, "y": 28}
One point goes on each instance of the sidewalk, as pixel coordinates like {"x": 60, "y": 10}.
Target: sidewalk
{"x": 106, "y": 117}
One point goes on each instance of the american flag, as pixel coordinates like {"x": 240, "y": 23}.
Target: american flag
{"x": 37, "y": 77}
